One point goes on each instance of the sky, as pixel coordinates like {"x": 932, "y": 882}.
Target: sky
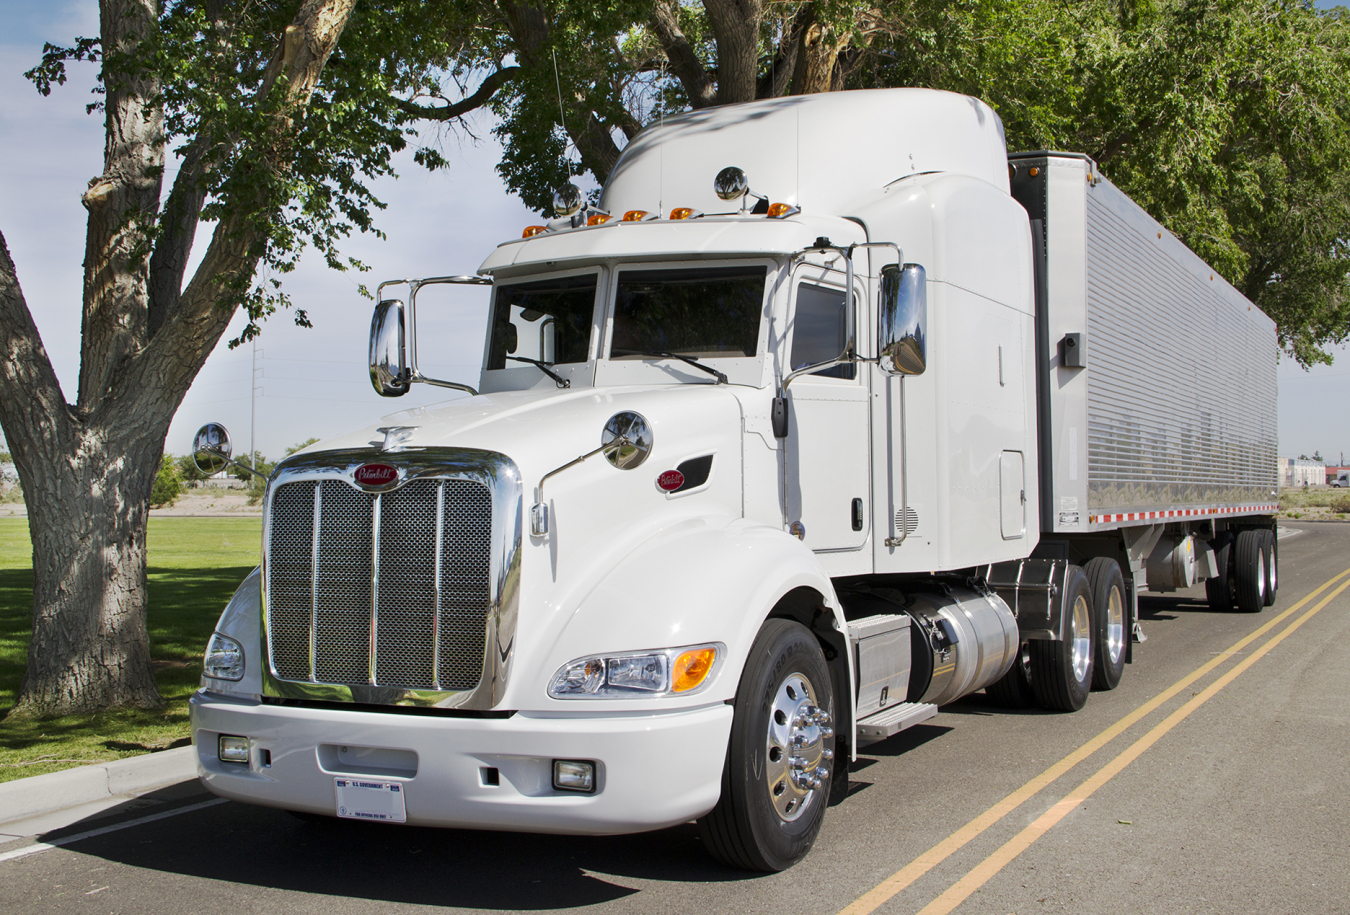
{"x": 314, "y": 383}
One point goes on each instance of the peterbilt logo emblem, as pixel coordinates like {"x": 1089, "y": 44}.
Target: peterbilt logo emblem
{"x": 375, "y": 475}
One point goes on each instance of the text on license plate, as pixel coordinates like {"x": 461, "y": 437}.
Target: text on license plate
{"x": 363, "y": 799}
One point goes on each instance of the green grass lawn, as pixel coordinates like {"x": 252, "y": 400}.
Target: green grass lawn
{"x": 195, "y": 565}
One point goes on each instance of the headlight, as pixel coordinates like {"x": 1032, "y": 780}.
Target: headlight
{"x": 224, "y": 658}
{"x": 665, "y": 672}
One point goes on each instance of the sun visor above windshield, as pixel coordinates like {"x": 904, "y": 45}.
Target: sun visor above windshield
{"x": 709, "y": 236}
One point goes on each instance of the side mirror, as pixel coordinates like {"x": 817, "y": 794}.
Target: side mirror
{"x": 902, "y": 320}
{"x": 389, "y": 371}
{"x": 211, "y": 448}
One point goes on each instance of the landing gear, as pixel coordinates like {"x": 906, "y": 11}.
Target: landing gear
{"x": 1061, "y": 672}
{"x": 777, "y": 777}
{"x": 1109, "y": 624}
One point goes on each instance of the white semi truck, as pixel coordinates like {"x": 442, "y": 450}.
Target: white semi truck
{"x": 829, "y": 413}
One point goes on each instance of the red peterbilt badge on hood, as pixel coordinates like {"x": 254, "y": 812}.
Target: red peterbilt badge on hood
{"x": 375, "y": 475}
{"x": 670, "y": 481}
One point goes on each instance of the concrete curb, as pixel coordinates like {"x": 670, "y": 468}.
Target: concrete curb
{"x": 39, "y": 794}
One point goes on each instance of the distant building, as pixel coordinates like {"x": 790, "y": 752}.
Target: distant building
{"x": 1299, "y": 472}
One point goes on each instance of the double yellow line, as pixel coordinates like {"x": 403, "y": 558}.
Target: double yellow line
{"x": 959, "y": 891}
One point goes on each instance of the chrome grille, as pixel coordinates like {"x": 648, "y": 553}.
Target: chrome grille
{"x": 389, "y": 590}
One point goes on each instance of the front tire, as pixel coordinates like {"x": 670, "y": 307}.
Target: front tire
{"x": 1110, "y": 626}
{"x": 780, "y": 759}
{"x": 1061, "y": 671}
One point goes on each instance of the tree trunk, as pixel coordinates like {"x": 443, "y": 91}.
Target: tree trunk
{"x": 735, "y": 23}
{"x": 87, "y": 517}
{"x": 87, "y": 469}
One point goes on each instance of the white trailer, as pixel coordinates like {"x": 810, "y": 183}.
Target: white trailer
{"x": 829, "y": 414}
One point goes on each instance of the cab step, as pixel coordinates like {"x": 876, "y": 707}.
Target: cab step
{"x": 893, "y": 720}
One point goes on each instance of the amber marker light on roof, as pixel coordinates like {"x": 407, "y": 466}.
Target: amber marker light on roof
{"x": 684, "y": 213}
{"x": 780, "y": 210}
{"x": 691, "y": 668}
{"x": 598, "y": 219}
{"x": 638, "y": 216}
{"x": 531, "y": 231}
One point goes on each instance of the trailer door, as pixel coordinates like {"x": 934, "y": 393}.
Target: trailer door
{"x": 827, "y": 479}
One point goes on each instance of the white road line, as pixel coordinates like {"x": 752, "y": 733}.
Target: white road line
{"x": 80, "y": 837}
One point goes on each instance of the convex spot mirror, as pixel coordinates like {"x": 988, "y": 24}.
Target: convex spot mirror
{"x": 902, "y": 325}
{"x": 631, "y": 437}
{"x": 389, "y": 364}
{"x": 211, "y": 448}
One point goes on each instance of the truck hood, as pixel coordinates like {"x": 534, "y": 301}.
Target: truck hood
{"x": 541, "y": 430}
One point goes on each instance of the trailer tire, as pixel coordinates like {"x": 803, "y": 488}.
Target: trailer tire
{"x": 1110, "y": 627}
{"x": 768, "y": 816}
{"x": 1219, "y": 590}
{"x": 1272, "y": 555}
{"x": 1061, "y": 671}
{"x": 1249, "y": 571}
{"x": 1013, "y": 689}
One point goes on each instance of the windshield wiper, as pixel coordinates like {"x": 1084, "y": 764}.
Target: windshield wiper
{"x": 721, "y": 379}
{"x": 544, "y": 367}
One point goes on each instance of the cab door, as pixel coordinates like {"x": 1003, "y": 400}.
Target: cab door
{"x": 827, "y": 472}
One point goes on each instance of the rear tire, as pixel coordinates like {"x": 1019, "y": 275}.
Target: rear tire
{"x": 774, "y": 789}
{"x": 1013, "y": 689}
{"x": 1061, "y": 672}
{"x": 1249, "y": 571}
{"x": 1219, "y": 590}
{"x": 1110, "y": 626}
{"x": 1272, "y": 555}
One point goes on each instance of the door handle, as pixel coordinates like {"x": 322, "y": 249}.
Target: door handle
{"x": 857, "y": 514}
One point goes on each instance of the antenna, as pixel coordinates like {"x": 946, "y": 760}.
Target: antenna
{"x": 562, "y": 118}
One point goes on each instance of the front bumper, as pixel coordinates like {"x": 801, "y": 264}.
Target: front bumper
{"x": 653, "y": 770}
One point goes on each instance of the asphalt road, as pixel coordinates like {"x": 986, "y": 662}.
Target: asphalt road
{"x": 1225, "y": 792}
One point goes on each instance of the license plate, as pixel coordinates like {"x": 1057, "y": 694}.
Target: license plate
{"x": 361, "y": 799}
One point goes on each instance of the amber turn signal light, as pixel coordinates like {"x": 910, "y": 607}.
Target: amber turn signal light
{"x": 779, "y": 210}
{"x": 636, "y": 216}
{"x": 683, "y": 213}
{"x": 531, "y": 231}
{"x": 599, "y": 219}
{"x": 691, "y": 668}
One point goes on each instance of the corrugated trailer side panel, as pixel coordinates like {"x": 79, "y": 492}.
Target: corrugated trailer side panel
{"x": 1173, "y": 412}
{"x": 1181, "y": 373}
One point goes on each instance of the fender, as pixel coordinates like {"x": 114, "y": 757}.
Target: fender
{"x": 695, "y": 583}
{"x": 242, "y": 621}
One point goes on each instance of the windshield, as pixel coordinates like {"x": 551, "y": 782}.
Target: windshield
{"x": 548, "y": 321}
{"x": 702, "y": 313}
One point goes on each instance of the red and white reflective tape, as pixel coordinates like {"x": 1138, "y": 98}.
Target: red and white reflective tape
{"x": 1182, "y": 513}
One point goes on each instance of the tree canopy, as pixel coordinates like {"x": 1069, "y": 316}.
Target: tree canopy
{"x": 1229, "y": 120}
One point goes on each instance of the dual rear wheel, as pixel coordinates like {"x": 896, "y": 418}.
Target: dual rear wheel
{"x": 1248, "y": 576}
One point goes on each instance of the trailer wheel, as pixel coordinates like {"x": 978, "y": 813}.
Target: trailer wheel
{"x": 1013, "y": 689}
{"x": 1249, "y": 571}
{"x": 1219, "y": 590}
{"x": 1110, "y": 627}
{"x": 1061, "y": 671}
{"x": 776, "y": 779}
{"x": 1272, "y": 557}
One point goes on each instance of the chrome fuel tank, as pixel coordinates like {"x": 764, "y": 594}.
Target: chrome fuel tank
{"x": 963, "y": 640}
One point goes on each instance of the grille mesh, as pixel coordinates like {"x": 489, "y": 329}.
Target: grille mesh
{"x": 333, "y": 609}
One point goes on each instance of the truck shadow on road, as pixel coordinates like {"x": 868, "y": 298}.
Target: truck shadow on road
{"x": 268, "y": 849}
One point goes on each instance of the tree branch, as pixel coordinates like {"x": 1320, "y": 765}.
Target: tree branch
{"x": 177, "y": 231}
{"x": 486, "y": 91}
{"x": 684, "y": 63}
{"x": 33, "y": 412}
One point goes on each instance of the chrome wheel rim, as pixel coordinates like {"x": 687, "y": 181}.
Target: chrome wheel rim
{"x": 1274, "y": 579}
{"x": 796, "y": 754}
{"x": 1115, "y": 625}
{"x": 1082, "y": 638}
{"x": 1261, "y": 574}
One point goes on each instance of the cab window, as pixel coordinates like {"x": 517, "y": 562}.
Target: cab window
{"x": 819, "y": 329}
{"x": 546, "y": 321}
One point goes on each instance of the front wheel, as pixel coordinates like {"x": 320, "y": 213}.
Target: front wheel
{"x": 780, "y": 759}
